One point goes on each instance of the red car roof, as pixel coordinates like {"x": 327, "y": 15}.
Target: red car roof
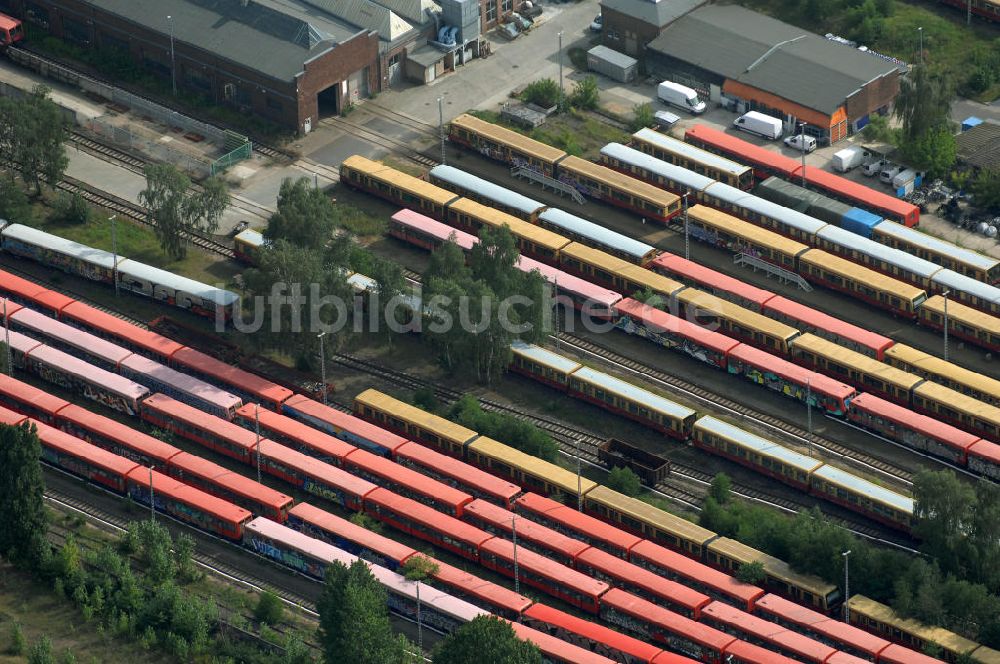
{"x": 539, "y": 564}
{"x": 12, "y": 307}
{"x": 233, "y": 433}
{"x": 9, "y": 417}
{"x": 331, "y": 523}
{"x": 941, "y": 431}
{"x": 653, "y": 583}
{"x": 555, "y": 649}
{"x": 344, "y": 421}
{"x": 301, "y": 433}
{"x": 666, "y": 620}
{"x": 754, "y": 654}
{"x": 527, "y": 529}
{"x": 759, "y": 628}
{"x": 226, "y": 373}
{"x": 897, "y": 654}
{"x": 60, "y": 440}
{"x": 674, "y": 264}
{"x": 451, "y": 467}
{"x": 409, "y": 478}
{"x": 122, "y": 434}
{"x": 792, "y": 372}
{"x": 744, "y": 152}
{"x": 593, "y": 632}
{"x": 864, "y": 196}
{"x": 693, "y": 569}
{"x": 238, "y": 484}
{"x": 116, "y": 327}
{"x": 30, "y": 394}
{"x": 658, "y": 319}
{"x": 312, "y": 467}
{"x": 594, "y": 528}
{"x": 176, "y": 490}
{"x": 474, "y": 586}
{"x": 986, "y": 450}
{"x": 819, "y": 320}
{"x": 29, "y": 290}
{"x": 430, "y": 517}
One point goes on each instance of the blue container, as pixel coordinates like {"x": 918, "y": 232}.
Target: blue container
{"x": 970, "y": 122}
{"x": 860, "y": 221}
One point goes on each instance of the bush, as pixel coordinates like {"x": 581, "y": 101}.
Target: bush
{"x": 719, "y": 489}
{"x": 425, "y": 399}
{"x": 17, "y": 641}
{"x": 269, "y": 609}
{"x": 72, "y": 209}
{"x": 14, "y": 204}
{"x": 68, "y": 657}
{"x": 41, "y": 652}
{"x": 642, "y": 116}
{"x": 366, "y": 522}
{"x": 586, "y": 94}
{"x": 752, "y": 573}
{"x": 544, "y": 93}
{"x": 624, "y": 480}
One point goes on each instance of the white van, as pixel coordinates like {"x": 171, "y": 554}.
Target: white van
{"x": 848, "y": 158}
{"x": 888, "y": 172}
{"x": 760, "y": 124}
{"x": 680, "y": 96}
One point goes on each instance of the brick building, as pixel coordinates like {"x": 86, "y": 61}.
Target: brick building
{"x": 631, "y": 24}
{"x": 749, "y": 61}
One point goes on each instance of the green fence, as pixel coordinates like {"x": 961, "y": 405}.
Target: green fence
{"x": 234, "y": 156}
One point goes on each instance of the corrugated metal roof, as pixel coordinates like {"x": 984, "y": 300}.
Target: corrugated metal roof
{"x": 768, "y": 54}
{"x": 853, "y": 241}
{"x": 980, "y": 145}
{"x": 546, "y": 357}
{"x": 864, "y": 487}
{"x": 599, "y": 234}
{"x": 952, "y": 280}
{"x": 758, "y": 444}
{"x": 913, "y": 236}
{"x": 628, "y": 155}
{"x": 366, "y": 14}
{"x": 485, "y": 188}
{"x": 658, "y": 13}
{"x": 632, "y": 392}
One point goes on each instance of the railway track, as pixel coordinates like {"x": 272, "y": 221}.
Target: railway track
{"x": 375, "y": 138}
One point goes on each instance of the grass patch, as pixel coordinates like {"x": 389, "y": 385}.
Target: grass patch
{"x": 359, "y": 222}
{"x": 578, "y": 133}
{"x": 405, "y": 166}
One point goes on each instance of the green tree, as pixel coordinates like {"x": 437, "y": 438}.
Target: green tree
{"x": 537, "y": 314}
{"x": 41, "y": 652}
{"x": 543, "y": 92}
{"x": 642, "y": 116}
{"x": 14, "y": 205}
{"x": 719, "y": 488}
{"x": 493, "y": 261}
{"x": 943, "y": 513}
{"x": 486, "y": 640}
{"x": 752, "y": 573}
{"x": 305, "y": 216}
{"x": 23, "y": 520}
{"x": 624, "y": 480}
{"x": 984, "y": 535}
{"x": 985, "y": 189}
{"x": 365, "y": 521}
{"x": 354, "y": 619}
{"x": 923, "y": 103}
{"x": 419, "y": 568}
{"x": 586, "y": 95}
{"x": 934, "y": 151}
{"x": 269, "y": 609}
{"x": 878, "y": 130}
{"x": 174, "y": 208}
{"x": 34, "y": 137}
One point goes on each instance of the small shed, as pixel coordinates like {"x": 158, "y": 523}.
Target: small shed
{"x": 970, "y": 122}
{"x": 612, "y": 64}
{"x": 425, "y": 63}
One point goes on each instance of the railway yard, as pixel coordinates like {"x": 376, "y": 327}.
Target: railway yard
{"x": 803, "y": 359}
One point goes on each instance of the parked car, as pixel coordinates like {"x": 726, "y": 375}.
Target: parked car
{"x": 681, "y": 96}
{"x": 757, "y": 123}
{"x": 888, "y": 172}
{"x": 848, "y": 158}
{"x": 801, "y": 142}
{"x": 597, "y": 24}
{"x": 873, "y": 167}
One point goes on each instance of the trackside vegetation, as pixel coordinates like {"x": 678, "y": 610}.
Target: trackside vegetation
{"x": 486, "y": 640}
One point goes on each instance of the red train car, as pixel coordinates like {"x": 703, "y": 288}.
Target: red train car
{"x": 741, "y": 652}
{"x": 112, "y": 328}
{"x": 11, "y": 31}
{"x": 764, "y": 162}
{"x": 792, "y": 380}
{"x": 592, "y": 636}
{"x": 425, "y": 523}
{"x": 897, "y": 654}
{"x": 293, "y": 433}
{"x": 984, "y": 458}
{"x": 821, "y": 627}
{"x": 557, "y": 651}
{"x": 345, "y": 535}
{"x": 188, "y": 504}
{"x": 673, "y": 332}
{"x": 807, "y": 319}
{"x": 462, "y": 476}
{"x": 537, "y": 571}
{"x": 212, "y": 478}
{"x": 345, "y": 426}
{"x": 32, "y": 294}
{"x": 188, "y": 422}
{"x": 644, "y": 583}
{"x": 859, "y": 195}
{"x": 83, "y": 459}
{"x": 247, "y": 386}
{"x": 531, "y": 535}
{"x": 29, "y": 400}
{"x": 767, "y": 634}
{"x": 116, "y": 437}
{"x": 718, "y": 284}
{"x": 495, "y": 598}
{"x": 314, "y": 477}
{"x": 695, "y": 575}
{"x": 655, "y": 623}
{"x": 406, "y": 482}
{"x": 568, "y": 521}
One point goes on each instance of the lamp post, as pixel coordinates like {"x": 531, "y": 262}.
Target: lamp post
{"x": 173, "y": 64}
{"x": 513, "y": 531}
{"x": 920, "y": 31}
{"x": 114, "y": 250}
{"x": 579, "y": 480}
{"x": 420, "y": 623}
{"x": 809, "y": 409}
{"x": 847, "y": 587}
{"x": 968, "y": 12}
{"x": 560, "y": 72}
{"x": 256, "y": 430}
{"x": 322, "y": 365}
{"x": 152, "y": 502}
{"x": 6, "y": 344}
{"x": 945, "y": 295}
{"x": 444, "y": 159}
{"x": 687, "y": 233}
{"x": 802, "y": 147}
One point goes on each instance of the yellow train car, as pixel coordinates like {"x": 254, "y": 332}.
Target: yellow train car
{"x": 532, "y": 240}
{"x": 412, "y": 422}
{"x": 733, "y": 320}
{"x": 541, "y": 364}
{"x": 395, "y": 186}
{"x": 504, "y": 144}
{"x": 960, "y": 379}
{"x": 603, "y": 183}
{"x": 634, "y": 278}
{"x": 852, "y": 367}
{"x": 861, "y": 282}
{"x": 963, "y": 411}
{"x": 964, "y": 322}
{"x": 685, "y": 155}
{"x": 879, "y": 619}
{"x": 525, "y": 470}
{"x": 592, "y": 264}
{"x": 729, "y": 555}
{"x": 717, "y": 228}
{"x": 650, "y": 522}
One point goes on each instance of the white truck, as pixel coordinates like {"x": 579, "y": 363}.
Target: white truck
{"x": 848, "y": 158}
{"x": 760, "y": 124}
{"x": 680, "y": 96}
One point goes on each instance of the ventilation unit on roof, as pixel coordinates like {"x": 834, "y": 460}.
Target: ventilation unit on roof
{"x": 464, "y": 15}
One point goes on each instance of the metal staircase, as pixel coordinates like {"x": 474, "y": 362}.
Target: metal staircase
{"x": 552, "y": 183}
{"x": 783, "y": 275}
